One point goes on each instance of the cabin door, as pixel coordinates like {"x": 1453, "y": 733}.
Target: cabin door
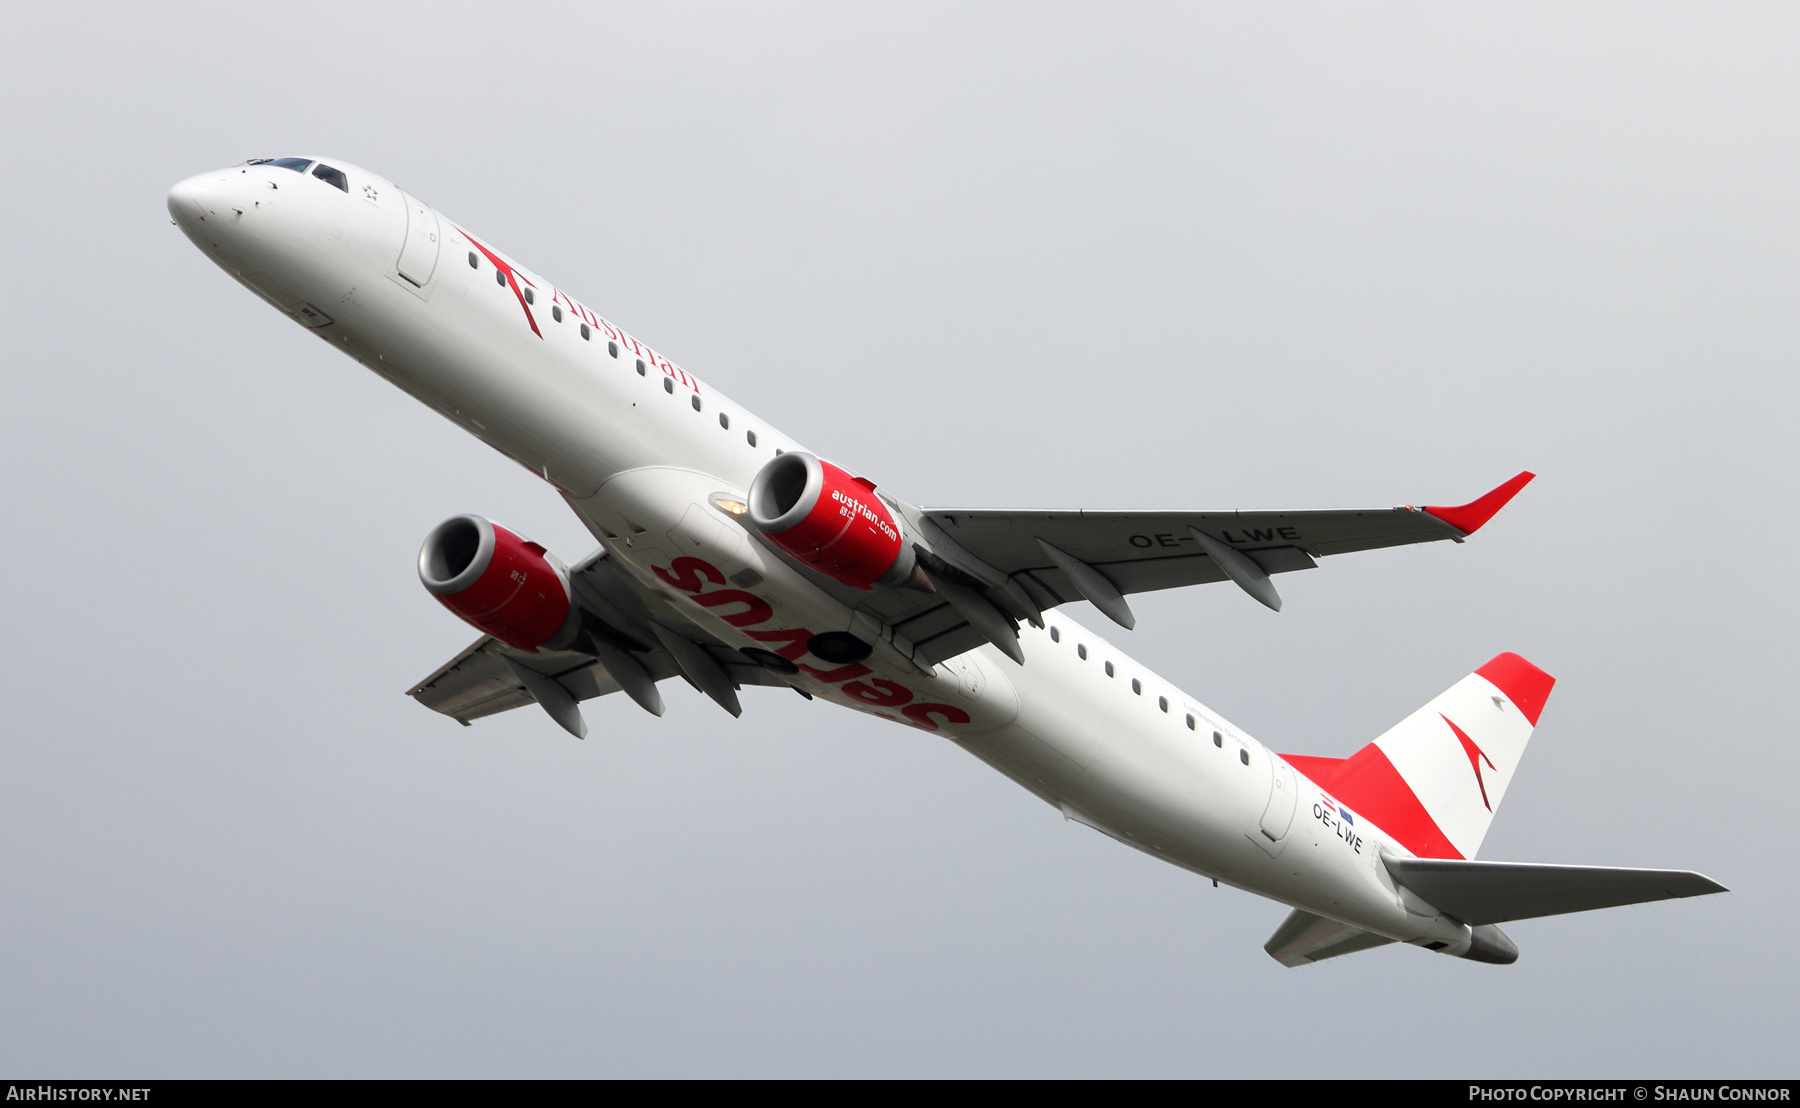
{"x": 419, "y": 253}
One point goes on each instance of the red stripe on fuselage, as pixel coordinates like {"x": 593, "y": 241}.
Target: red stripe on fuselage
{"x": 512, "y": 278}
{"x": 1369, "y": 785}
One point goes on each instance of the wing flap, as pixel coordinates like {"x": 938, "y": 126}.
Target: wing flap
{"x": 1155, "y": 550}
{"x": 959, "y": 639}
{"x": 468, "y": 712}
{"x": 479, "y": 683}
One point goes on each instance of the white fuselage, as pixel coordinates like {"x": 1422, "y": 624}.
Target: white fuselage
{"x": 638, "y": 448}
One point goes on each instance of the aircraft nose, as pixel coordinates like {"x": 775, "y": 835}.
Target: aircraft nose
{"x": 187, "y": 200}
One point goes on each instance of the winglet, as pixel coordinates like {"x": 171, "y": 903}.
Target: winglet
{"x": 1469, "y": 517}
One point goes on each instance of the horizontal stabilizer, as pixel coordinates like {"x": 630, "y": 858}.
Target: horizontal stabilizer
{"x": 1304, "y": 938}
{"x": 1495, "y": 892}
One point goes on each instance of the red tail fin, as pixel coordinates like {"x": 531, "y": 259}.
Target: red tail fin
{"x": 1432, "y": 781}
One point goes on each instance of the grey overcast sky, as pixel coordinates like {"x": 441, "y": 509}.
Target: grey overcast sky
{"x": 1136, "y": 256}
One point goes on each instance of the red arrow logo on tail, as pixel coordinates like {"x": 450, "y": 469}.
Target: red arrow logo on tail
{"x": 1476, "y": 757}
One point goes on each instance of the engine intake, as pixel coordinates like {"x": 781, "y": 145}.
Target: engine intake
{"x": 830, "y": 521}
{"x": 500, "y": 583}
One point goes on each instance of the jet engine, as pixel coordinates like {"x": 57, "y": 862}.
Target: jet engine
{"x": 501, "y": 583}
{"x": 830, "y": 521}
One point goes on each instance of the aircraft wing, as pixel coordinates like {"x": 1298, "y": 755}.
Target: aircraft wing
{"x": 987, "y": 566}
{"x": 479, "y": 682}
{"x": 636, "y": 639}
{"x": 1146, "y": 551}
{"x": 1023, "y": 562}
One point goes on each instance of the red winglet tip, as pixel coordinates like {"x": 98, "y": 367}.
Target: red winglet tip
{"x": 1524, "y": 684}
{"x": 1469, "y": 517}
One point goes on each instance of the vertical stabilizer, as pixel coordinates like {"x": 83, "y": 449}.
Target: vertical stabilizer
{"x": 1435, "y": 779}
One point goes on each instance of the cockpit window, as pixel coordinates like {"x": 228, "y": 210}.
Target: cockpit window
{"x": 331, "y": 176}
{"x": 298, "y": 165}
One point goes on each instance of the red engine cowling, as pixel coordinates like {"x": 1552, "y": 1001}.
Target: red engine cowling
{"x": 497, "y": 581}
{"x": 829, "y": 520}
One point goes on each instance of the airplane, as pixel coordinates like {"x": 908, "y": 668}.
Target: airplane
{"x": 730, "y": 556}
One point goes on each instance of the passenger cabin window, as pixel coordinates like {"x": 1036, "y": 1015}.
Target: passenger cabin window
{"x": 1163, "y": 703}
{"x": 1243, "y": 756}
{"x": 1055, "y": 635}
{"x": 500, "y": 277}
{"x": 1190, "y": 723}
{"x": 613, "y": 349}
{"x": 640, "y": 362}
{"x": 530, "y": 295}
{"x": 330, "y": 176}
{"x": 669, "y": 386}
{"x": 1109, "y": 669}
{"x": 474, "y": 262}
{"x": 298, "y": 165}
{"x": 1137, "y": 686}
{"x": 1218, "y": 740}
{"x": 585, "y": 333}
{"x": 725, "y": 421}
{"x": 750, "y": 437}
{"x": 556, "y": 312}
{"x": 695, "y": 401}
{"x": 1081, "y": 651}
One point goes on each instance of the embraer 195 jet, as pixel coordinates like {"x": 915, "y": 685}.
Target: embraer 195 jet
{"x": 731, "y": 556}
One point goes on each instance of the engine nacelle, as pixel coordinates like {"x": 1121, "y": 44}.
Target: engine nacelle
{"x": 830, "y": 521}
{"x": 497, "y": 581}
